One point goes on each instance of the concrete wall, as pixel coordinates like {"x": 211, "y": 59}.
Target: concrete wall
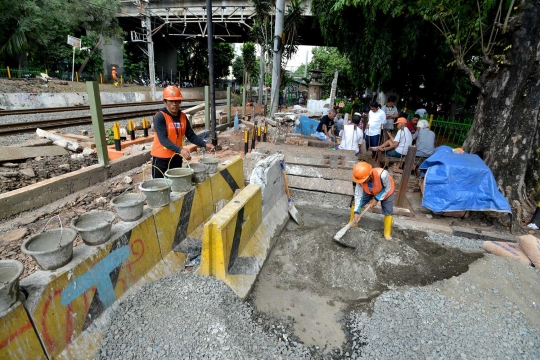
{"x": 62, "y": 315}
{"x": 17, "y": 101}
{"x": 112, "y": 55}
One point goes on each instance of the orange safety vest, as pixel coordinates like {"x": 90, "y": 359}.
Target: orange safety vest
{"x": 175, "y": 133}
{"x": 376, "y": 184}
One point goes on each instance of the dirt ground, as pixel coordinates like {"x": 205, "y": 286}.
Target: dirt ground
{"x": 36, "y": 85}
{"x": 314, "y": 280}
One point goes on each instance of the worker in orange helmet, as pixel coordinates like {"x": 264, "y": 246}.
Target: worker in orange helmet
{"x": 170, "y": 127}
{"x": 114, "y": 76}
{"x": 374, "y": 185}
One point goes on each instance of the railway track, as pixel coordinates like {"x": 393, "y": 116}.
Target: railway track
{"x": 81, "y": 107}
{"x": 31, "y": 126}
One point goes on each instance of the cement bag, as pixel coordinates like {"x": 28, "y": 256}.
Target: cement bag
{"x": 531, "y": 247}
{"x": 511, "y": 250}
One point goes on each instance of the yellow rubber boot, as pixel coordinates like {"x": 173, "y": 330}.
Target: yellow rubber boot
{"x": 352, "y": 216}
{"x": 388, "y": 227}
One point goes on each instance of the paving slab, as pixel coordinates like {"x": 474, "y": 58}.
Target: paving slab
{"x": 12, "y": 153}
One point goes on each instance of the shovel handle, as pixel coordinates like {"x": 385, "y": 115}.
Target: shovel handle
{"x": 286, "y": 185}
{"x": 368, "y": 206}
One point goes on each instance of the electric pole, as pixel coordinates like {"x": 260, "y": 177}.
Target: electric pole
{"x": 210, "y": 33}
{"x": 151, "y": 70}
{"x": 278, "y": 50}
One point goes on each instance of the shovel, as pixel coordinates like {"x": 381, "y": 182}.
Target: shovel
{"x": 292, "y": 209}
{"x": 343, "y": 231}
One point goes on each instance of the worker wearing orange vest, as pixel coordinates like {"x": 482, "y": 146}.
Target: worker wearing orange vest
{"x": 114, "y": 76}
{"x": 374, "y": 185}
{"x": 170, "y": 127}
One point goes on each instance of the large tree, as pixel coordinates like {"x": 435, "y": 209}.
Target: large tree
{"x": 496, "y": 45}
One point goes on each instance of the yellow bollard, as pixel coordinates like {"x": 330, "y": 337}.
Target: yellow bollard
{"x": 8, "y": 72}
{"x": 116, "y": 134}
{"x": 77, "y": 76}
{"x": 46, "y": 72}
{"x": 100, "y": 78}
{"x": 121, "y": 80}
{"x": 131, "y": 129}
{"x": 145, "y": 126}
{"x": 430, "y": 121}
{"x": 130, "y": 79}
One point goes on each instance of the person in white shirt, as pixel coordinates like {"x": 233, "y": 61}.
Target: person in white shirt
{"x": 376, "y": 119}
{"x": 351, "y": 135}
{"x": 398, "y": 146}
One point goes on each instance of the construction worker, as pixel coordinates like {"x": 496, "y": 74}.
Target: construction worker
{"x": 114, "y": 76}
{"x": 374, "y": 185}
{"x": 170, "y": 127}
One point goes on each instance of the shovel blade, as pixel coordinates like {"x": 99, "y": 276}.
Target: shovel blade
{"x": 295, "y": 215}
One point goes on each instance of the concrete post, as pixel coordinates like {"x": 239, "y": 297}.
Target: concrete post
{"x": 278, "y": 51}
{"x": 207, "y": 108}
{"x": 229, "y": 120}
{"x": 151, "y": 69}
{"x": 243, "y": 101}
{"x": 98, "y": 126}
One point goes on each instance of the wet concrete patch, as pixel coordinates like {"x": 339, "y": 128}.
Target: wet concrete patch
{"x": 315, "y": 280}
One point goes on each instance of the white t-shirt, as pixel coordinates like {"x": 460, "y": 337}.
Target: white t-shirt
{"x": 404, "y": 138}
{"x": 350, "y": 138}
{"x": 375, "y": 121}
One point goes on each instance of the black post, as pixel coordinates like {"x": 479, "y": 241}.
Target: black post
{"x": 253, "y": 140}
{"x": 210, "y": 33}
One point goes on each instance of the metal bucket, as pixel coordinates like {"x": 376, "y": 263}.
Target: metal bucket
{"x": 157, "y": 191}
{"x": 200, "y": 172}
{"x": 94, "y": 226}
{"x": 51, "y": 248}
{"x": 212, "y": 163}
{"x": 10, "y": 272}
{"x": 180, "y": 179}
{"x": 129, "y": 207}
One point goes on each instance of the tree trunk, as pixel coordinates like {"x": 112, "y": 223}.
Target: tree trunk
{"x": 505, "y": 128}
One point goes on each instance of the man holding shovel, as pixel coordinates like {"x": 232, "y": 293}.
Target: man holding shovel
{"x": 374, "y": 185}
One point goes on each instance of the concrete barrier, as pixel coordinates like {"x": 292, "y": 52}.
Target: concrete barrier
{"x": 65, "y": 307}
{"x": 65, "y": 302}
{"x": 18, "y": 339}
{"x": 238, "y": 239}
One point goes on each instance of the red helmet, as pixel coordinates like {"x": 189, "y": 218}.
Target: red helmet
{"x": 172, "y": 93}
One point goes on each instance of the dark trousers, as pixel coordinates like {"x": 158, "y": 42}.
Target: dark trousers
{"x": 163, "y": 165}
{"x": 372, "y": 141}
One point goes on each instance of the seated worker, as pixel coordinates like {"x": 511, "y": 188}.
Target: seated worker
{"x": 425, "y": 141}
{"x": 351, "y": 135}
{"x": 373, "y": 185}
{"x": 323, "y": 132}
{"x": 411, "y": 125}
{"x": 398, "y": 146}
{"x": 170, "y": 127}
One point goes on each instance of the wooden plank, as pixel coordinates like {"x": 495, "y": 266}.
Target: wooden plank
{"x": 13, "y": 153}
{"x": 194, "y": 109}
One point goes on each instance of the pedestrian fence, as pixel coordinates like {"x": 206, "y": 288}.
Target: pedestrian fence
{"x": 8, "y": 72}
{"x": 451, "y": 133}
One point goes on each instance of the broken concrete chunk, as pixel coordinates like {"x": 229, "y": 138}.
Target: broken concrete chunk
{"x": 64, "y": 166}
{"x": 36, "y": 142}
{"x": 10, "y": 165}
{"x": 127, "y": 180}
{"x": 28, "y": 172}
{"x": 88, "y": 152}
{"x": 14, "y": 235}
{"x": 59, "y": 140}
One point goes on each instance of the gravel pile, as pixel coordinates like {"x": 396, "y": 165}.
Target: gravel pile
{"x": 186, "y": 316}
{"x": 456, "y": 241}
{"x": 420, "y": 323}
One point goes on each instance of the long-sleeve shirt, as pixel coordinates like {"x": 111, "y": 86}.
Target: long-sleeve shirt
{"x": 160, "y": 128}
{"x": 359, "y": 191}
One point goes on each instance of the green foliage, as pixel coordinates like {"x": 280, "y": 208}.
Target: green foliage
{"x": 249, "y": 60}
{"x": 329, "y": 60}
{"x": 38, "y": 29}
{"x": 135, "y": 62}
{"x": 238, "y": 68}
{"x": 95, "y": 64}
{"x": 193, "y": 60}
{"x": 223, "y": 57}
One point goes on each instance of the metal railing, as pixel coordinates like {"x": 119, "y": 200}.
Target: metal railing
{"x": 20, "y": 73}
{"x": 451, "y": 133}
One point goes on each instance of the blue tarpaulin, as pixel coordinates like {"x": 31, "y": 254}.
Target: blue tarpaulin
{"x": 307, "y": 126}
{"x": 459, "y": 182}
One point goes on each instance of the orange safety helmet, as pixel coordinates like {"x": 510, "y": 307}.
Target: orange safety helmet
{"x": 361, "y": 172}
{"x": 172, "y": 93}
